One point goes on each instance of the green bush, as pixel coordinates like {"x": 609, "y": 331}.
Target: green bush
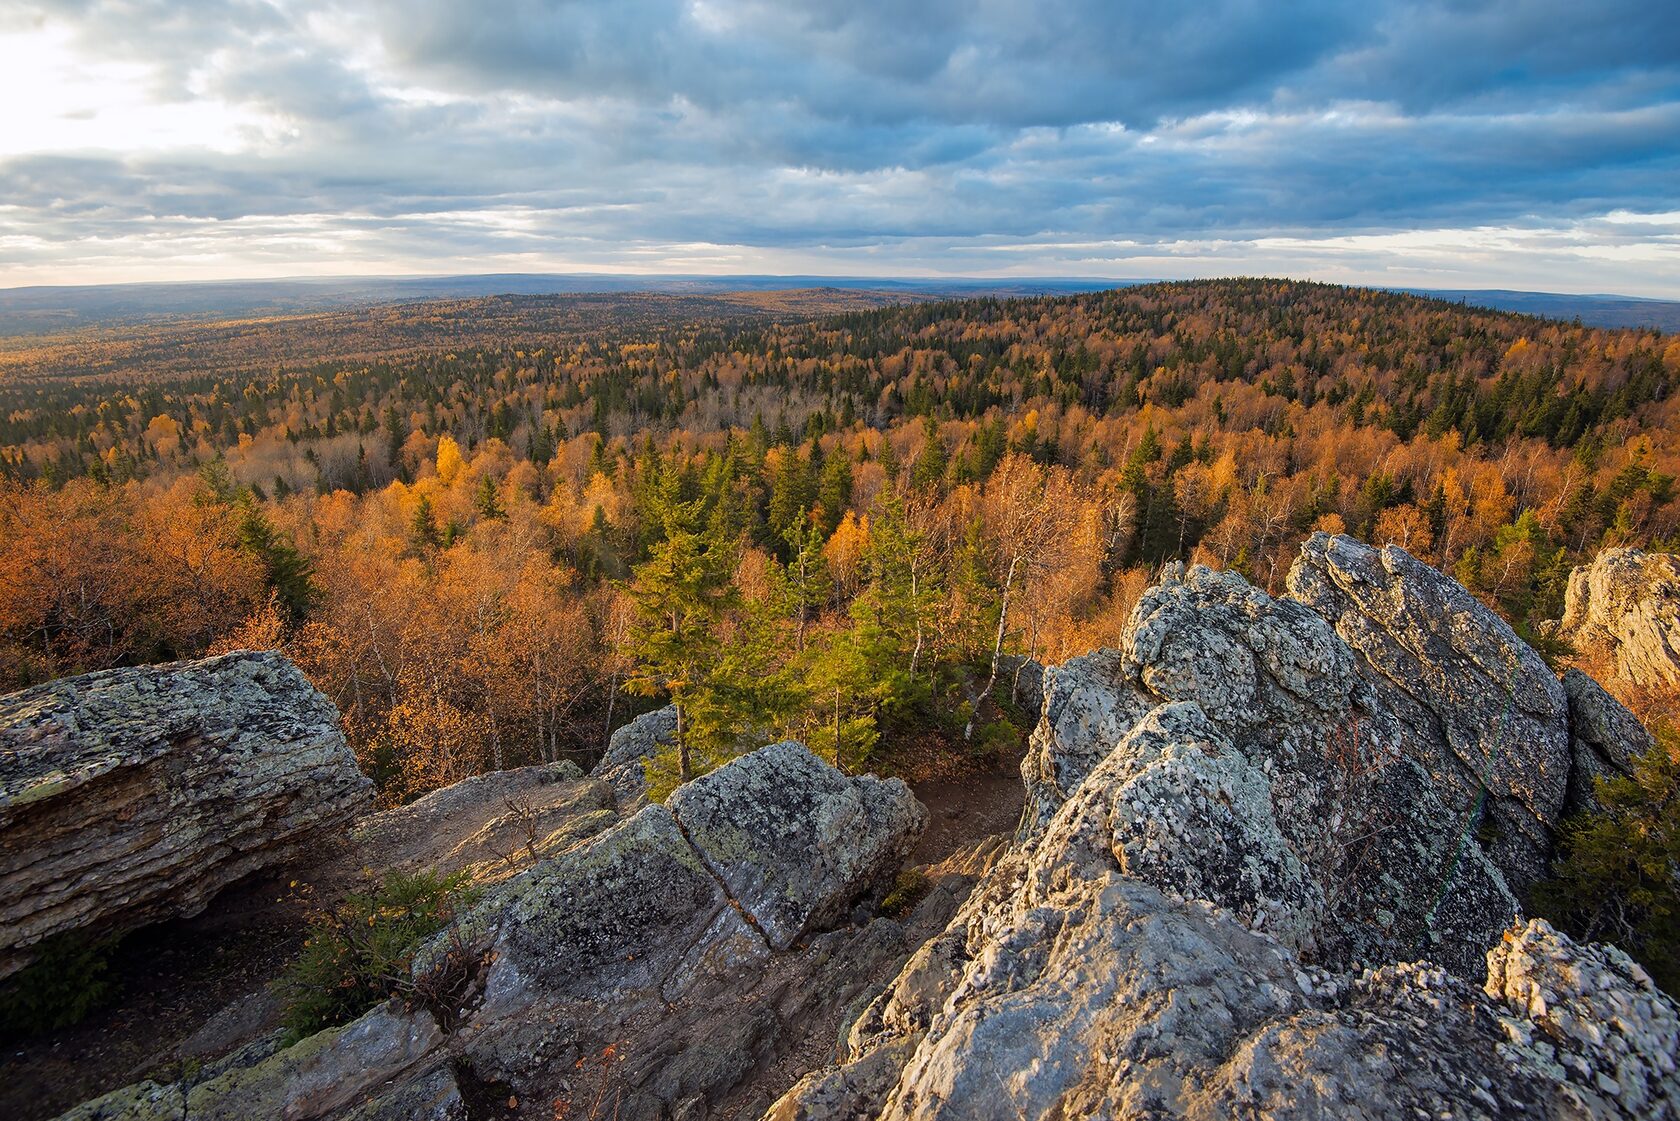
{"x": 911, "y": 886}
{"x": 360, "y": 953}
{"x": 1617, "y": 878}
{"x": 59, "y": 988}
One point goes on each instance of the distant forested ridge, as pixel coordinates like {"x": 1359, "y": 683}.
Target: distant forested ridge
{"x": 473, "y": 522}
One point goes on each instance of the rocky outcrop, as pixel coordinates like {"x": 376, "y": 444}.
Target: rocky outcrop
{"x": 1604, "y": 738}
{"x": 1269, "y": 867}
{"x": 1275, "y": 719}
{"x": 489, "y": 826}
{"x": 134, "y": 795}
{"x": 341, "y": 1067}
{"x": 1626, "y": 605}
{"x": 624, "y": 766}
{"x": 793, "y": 840}
{"x": 1478, "y": 709}
{"x": 683, "y": 943}
{"x": 1245, "y": 825}
{"x": 1103, "y": 970}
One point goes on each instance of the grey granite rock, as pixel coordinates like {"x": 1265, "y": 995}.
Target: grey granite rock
{"x": 792, "y": 839}
{"x": 1604, "y": 738}
{"x": 623, "y": 767}
{"x": 1626, "y": 604}
{"x": 1066, "y": 987}
{"x": 1480, "y": 709}
{"x": 134, "y": 795}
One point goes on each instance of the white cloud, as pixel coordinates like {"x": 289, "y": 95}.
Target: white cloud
{"x": 1414, "y": 142}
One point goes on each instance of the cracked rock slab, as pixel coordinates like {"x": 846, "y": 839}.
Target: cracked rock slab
{"x": 131, "y": 796}
{"x": 793, "y": 840}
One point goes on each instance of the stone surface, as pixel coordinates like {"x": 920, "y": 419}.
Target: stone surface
{"x": 1246, "y": 823}
{"x": 1478, "y": 707}
{"x": 628, "y": 750}
{"x": 1311, "y": 763}
{"x": 1626, "y": 605}
{"x": 1066, "y": 987}
{"x": 1083, "y": 717}
{"x": 640, "y": 950}
{"x": 1588, "y": 1020}
{"x": 489, "y": 826}
{"x": 792, "y": 839}
{"x": 1604, "y": 737}
{"x": 134, "y": 795}
{"x": 337, "y": 1071}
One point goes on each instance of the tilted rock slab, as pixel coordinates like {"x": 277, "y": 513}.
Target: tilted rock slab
{"x": 661, "y": 937}
{"x": 1479, "y": 707}
{"x": 1626, "y": 603}
{"x": 134, "y": 795}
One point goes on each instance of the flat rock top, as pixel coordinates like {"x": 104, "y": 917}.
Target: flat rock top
{"x": 789, "y": 835}
{"x": 67, "y": 732}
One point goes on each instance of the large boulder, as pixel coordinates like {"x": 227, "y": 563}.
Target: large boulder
{"x": 624, "y": 766}
{"x": 135, "y": 795}
{"x": 792, "y": 839}
{"x": 653, "y": 957}
{"x": 1625, "y": 606}
{"x": 1276, "y": 725}
{"x": 1094, "y": 974}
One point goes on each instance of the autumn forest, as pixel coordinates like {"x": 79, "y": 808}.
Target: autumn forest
{"x": 492, "y": 530}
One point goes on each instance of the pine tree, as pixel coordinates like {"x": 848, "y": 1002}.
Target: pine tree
{"x": 287, "y": 571}
{"x": 680, "y": 594}
{"x": 488, "y": 500}
{"x": 423, "y": 531}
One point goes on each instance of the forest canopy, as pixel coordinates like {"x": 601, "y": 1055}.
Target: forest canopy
{"x": 847, "y": 527}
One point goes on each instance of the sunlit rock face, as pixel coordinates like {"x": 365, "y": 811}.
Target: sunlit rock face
{"x": 1625, "y": 605}
{"x": 135, "y": 795}
{"x": 1266, "y": 871}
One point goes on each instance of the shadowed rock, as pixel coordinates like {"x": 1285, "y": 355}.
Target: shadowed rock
{"x": 654, "y": 943}
{"x": 135, "y": 795}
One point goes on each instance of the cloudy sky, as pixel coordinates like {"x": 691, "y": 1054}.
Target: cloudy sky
{"x": 1525, "y": 144}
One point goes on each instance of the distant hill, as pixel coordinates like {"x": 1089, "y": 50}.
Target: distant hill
{"x": 1594, "y": 310}
{"x": 44, "y": 310}
{"x": 47, "y": 310}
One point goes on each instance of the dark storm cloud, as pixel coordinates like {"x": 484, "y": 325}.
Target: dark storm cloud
{"x": 434, "y": 130}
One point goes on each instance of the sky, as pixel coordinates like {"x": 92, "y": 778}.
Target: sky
{"x": 1530, "y": 144}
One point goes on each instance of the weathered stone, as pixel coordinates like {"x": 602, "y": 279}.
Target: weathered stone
{"x": 1084, "y": 715}
{"x": 134, "y": 795}
{"x": 1588, "y": 1020}
{"x": 489, "y": 826}
{"x": 1479, "y": 709}
{"x": 1604, "y": 738}
{"x": 1065, "y": 988}
{"x": 434, "y": 1096}
{"x": 653, "y": 931}
{"x": 320, "y": 1077}
{"x": 1626, "y": 604}
{"x": 793, "y": 840}
{"x": 624, "y": 766}
{"x": 1361, "y": 820}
